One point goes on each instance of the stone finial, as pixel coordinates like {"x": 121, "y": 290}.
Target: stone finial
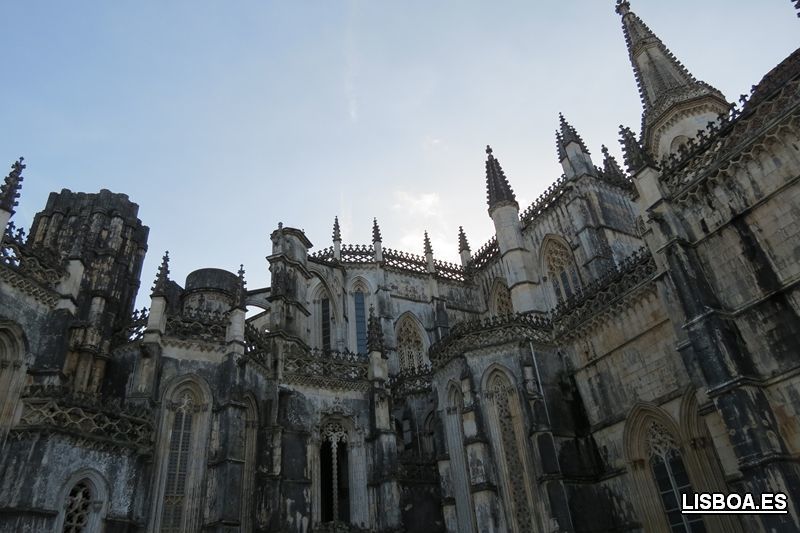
{"x": 560, "y": 152}
{"x": 9, "y": 190}
{"x": 463, "y": 245}
{"x": 376, "y": 231}
{"x": 498, "y": 189}
{"x": 374, "y": 332}
{"x": 337, "y": 232}
{"x": 636, "y": 157}
{"x": 569, "y": 134}
{"x": 427, "y": 244}
{"x": 242, "y": 289}
{"x": 610, "y": 165}
{"x": 162, "y": 277}
{"x": 622, "y": 7}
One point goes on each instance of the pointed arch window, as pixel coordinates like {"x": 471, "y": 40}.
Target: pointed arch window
{"x": 182, "y": 457}
{"x": 78, "y": 508}
{"x": 561, "y": 270}
{"x": 501, "y": 300}
{"x": 325, "y": 322}
{"x": 360, "y": 302}
{"x": 248, "y": 479}
{"x": 84, "y": 500}
{"x": 177, "y": 465}
{"x": 510, "y": 446}
{"x": 410, "y": 346}
{"x": 671, "y": 478}
{"x": 12, "y": 377}
{"x": 334, "y": 466}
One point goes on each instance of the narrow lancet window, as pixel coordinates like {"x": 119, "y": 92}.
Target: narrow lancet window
{"x": 361, "y": 322}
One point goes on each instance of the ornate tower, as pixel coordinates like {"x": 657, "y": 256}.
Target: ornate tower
{"x": 676, "y": 104}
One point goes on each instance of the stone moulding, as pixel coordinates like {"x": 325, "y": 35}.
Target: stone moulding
{"x": 411, "y": 381}
{"x": 327, "y": 369}
{"x": 34, "y": 272}
{"x": 392, "y": 260}
{"x": 93, "y": 422}
{"x": 614, "y": 285}
{"x": 473, "y": 334}
{"x": 714, "y": 148}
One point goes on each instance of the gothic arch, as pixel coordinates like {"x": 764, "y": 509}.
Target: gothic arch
{"x": 360, "y": 282}
{"x": 411, "y": 342}
{"x": 500, "y": 303}
{"x": 249, "y": 455}
{"x": 13, "y": 347}
{"x": 337, "y": 438}
{"x": 652, "y": 441}
{"x": 510, "y": 446}
{"x": 181, "y": 449}
{"x": 560, "y": 268}
{"x": 359, "y": 300}
{"x": 83, "y": 502}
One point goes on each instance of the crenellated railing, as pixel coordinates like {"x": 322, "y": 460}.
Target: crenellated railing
{"x": 545, "y": 200}
{"x": 485, "y": 254}
{"x": 405, "y": 261}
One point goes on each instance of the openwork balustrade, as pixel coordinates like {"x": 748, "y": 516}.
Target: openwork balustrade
{"x": 40, "y": 265}
{"x": 198, "y": 324}
{"x": 98, "y": 422}
{"x": 327, "y": 369}
{"x": 545, "y": 200}
{"x": 638, "y": 268}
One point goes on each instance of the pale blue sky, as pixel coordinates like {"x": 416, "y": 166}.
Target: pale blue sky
{"x": 221, "y": 119}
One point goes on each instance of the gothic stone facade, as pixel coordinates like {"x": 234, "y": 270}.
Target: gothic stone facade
{"x": 630, "y": 336}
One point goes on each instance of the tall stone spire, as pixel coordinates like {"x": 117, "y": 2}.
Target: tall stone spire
{"x": 337, "y": 232}
{"x": 610, "y": 166}
{"x": 568, "y": 134}
{"x": 572, "y": 152}
{"x": 636, "y": 157}
{"x": 463, "y": 248}
{"x": 9, "y": 190}
{"x": 498, "y": 191}
{"x": 162, "y": 277}
{"x": 463, "y": 245}
{"x": 664, "y": 85}
{"x": 376, "y": 231}
{"x": 427, "y": 244}
{"x": 241, "y": 289}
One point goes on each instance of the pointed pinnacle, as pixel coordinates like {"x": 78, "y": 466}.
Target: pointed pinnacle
{"x": 162, "y": 277}
{"x": 374, "y": 332}
{"x": 463, "y": 245}
{"x": 569, "y": 134}
{"x": 560, "y": 146}
{"x": 610, "y": 165}
{"x": 427, "y": 243}
{"x": 337, "y": 232}
{"x": 242, "y": 296}
{"x": 9, "y": 190}
{"x": 636, "y": 157}
{"x": 376, "y": 231}
{"x": 498, "y": 189}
